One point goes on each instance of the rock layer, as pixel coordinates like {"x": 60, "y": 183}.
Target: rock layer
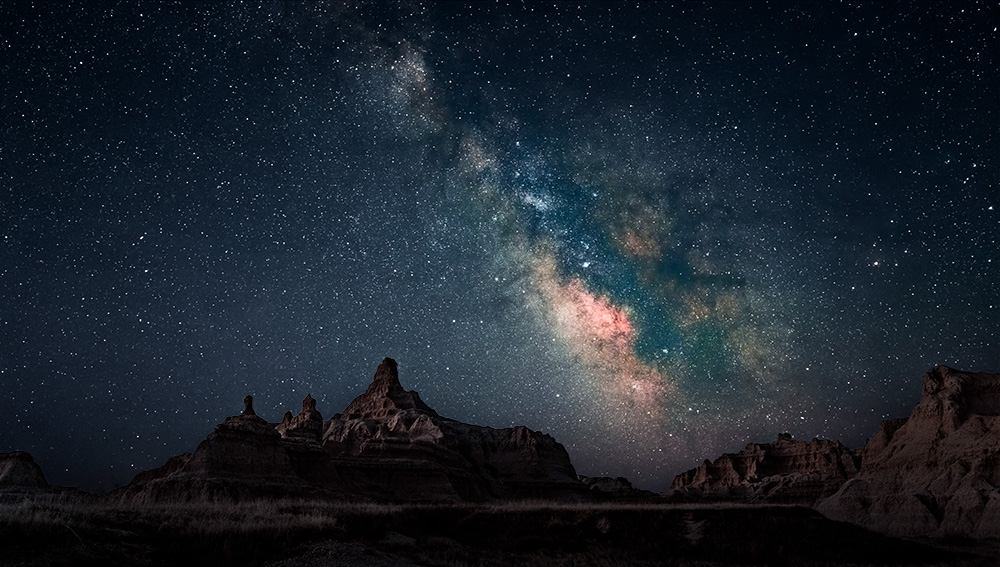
{"x": 937, "y": 472}
{"x": 787, "y": 471}
{"x": 387, "y": 445}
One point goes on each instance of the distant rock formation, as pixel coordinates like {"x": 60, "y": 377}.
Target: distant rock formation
{"x": 937, "y": 472}
{"x": 387, "y": 445}
{"x": 787, "y": 471}
{"x": 614, "y": 488}
{"x": 18, "y": 470}
{"x": 21, "y": 479}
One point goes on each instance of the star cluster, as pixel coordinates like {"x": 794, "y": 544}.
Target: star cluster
{"x": 654, "y": 231}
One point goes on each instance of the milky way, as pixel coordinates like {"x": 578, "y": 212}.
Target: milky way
{"x": 656, "y": 232}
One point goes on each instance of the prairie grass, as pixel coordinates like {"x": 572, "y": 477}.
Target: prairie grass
{"x": 275, "y": 532}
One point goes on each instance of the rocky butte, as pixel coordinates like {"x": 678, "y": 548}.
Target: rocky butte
{"x": 18, "y": 470}
{"x": 935, "y": 473}
{"x": 388, "y": 445}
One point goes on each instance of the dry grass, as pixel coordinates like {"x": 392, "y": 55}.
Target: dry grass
{"x": 52, "y": 532}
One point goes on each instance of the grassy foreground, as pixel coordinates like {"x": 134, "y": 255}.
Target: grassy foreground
{"x": 280, "y": 533}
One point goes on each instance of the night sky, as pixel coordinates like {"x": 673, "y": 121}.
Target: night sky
{"x": 656, "y": 232}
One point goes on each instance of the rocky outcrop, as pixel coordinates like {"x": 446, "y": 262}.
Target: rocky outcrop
{"x": 18, "y": 470}
{"x": 615, "y": 488}
{"x": 21, "y": 479}
{"x": 387, "y": 445}
{"x": 787, "y": 471}
{"x": 308, "y": 425}
{"x": 386, "y": 397}
{"x": 937, "y": 472}
{"x": 389, "y": 440}
{"x": 244, "y": 458}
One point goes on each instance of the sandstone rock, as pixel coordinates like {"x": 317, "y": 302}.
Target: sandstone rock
{"x": 937, "y": 472}
{"x": 787, "y": 471}
{"x": 18, "y": 470}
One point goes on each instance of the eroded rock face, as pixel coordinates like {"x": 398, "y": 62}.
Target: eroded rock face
{"x": 787, "y": 471}
{"x": 307, "y": 425}
{"x": 387, "y": 445}
{"x": 389, "y": 439}
{"x": 385, "y": 396}
{"x": 615, "y": 488}
{"x": 937, "y": 472}
{"x": 244, "y": 458}
{"x": 18, "y": 470}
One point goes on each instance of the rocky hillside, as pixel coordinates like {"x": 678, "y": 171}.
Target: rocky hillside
{"x": 787, "y": 471}
{"x": 387, "y": 445}
{"x": 936, "y": 472}
{"x": 18, "y": 470}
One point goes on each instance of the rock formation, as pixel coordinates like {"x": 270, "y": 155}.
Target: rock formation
{"x": 389, "y": 440}
{"x": 248, "y": 405}
{"x": 614, "y": 488}
{"x": 18, "y": 470}
{"x": 387, "y": 445}
{"x": 937, "y": 472}
{"x": 385, "y": 396}
{"x": 787, "y": 471}
{"x": 21, "y": 479}
{"x": 243, "y": 458}
{"x": 307, "y": 425}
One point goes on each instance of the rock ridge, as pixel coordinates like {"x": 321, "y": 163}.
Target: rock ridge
{"x": 387, "y": 445}
{"x": 786, "y": 471}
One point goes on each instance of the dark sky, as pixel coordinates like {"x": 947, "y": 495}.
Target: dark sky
{"x": 654, "y": 231}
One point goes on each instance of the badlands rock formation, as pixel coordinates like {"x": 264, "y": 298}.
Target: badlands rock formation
{"x": 387, "y": 445}
{"x": 614, "y": 488}
{"x": 18, "y": 470}
{"x": 21, "y": 479}
{"x": 787, "y": 471}
{"x": 388, "y": 440}
{"x": 937, "y": 472}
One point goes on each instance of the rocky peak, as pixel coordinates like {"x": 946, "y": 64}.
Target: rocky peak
{"x": 385, "y": 396}
{"x": 18, "y": 469}
{"x": 248, "y": 406}
{"x": 308, "y": 404}
{"x": 308, "y": 424}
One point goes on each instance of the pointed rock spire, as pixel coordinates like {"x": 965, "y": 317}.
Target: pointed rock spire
{"x": 386, "y": 395}
{"x": 248, "y": 406}
{"x": 308, "y": 404}
{"x": 308, "y": 424}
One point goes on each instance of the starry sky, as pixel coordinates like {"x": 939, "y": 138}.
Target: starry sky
{"x": 654, "y": 231}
